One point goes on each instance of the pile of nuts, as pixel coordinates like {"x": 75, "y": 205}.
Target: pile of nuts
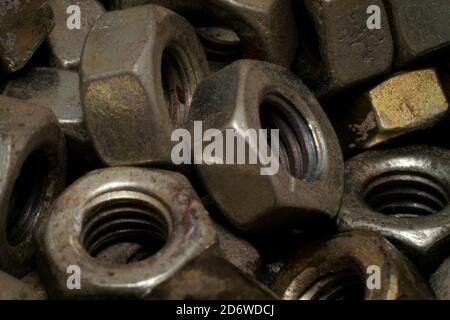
{"x": 99, "y": 199}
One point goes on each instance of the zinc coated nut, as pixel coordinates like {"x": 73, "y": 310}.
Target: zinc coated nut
{"x": 20, "y": 39}
{"x": 147, "y": 81}
{"x": 440, "y": 281}
{"x": 404, "y": 103}
{"x": 15, "y": 289}
{"x": 257, "y": 95}
{"x": 32, "y": 170}
{"x": 338, "y": 269}
{"x": 402, "y": 194}
{"x": 66, "y": 43}
{"x": 336, "y": 49}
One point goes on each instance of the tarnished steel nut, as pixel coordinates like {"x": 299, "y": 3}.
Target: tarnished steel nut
{"x": 404, "y": 195}
{"x": 266, "y": 28}
{"x": 440, "y": 281}
{"x": 257, "y": 95}
{"x": 153, "y": 208}
{"x": 406, "y": 102}
{"x": 15, "y": 289}
{"x": 238, "y": 252}
{"x": 24, "y": 25}
{"x": 57, "y": 90}
{"x": 336, "y": 49}
{"x": 33, "y": 280}
{"x": 66, "y": 43}
{"x": 148, "y": 81}
{"x": 420, "y": 28}
{"x": 32, "y": 169}
{"x": 339, "y": 268}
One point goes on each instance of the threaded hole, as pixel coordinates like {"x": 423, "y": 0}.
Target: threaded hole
{"x": 298, "y": 151}
{"x": 406, "y": 194}
{"x": 346, "y": 285}
{"x": 124, "y": 231}
{"x": 27, "y": 198}
{"x": 220, "y": 43}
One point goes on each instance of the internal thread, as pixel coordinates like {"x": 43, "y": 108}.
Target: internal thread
{"x": 220, "y": 44}
{"x": 406, "y": 194}
{"x": 130, "y": 223}
{"x": 342, "y": 286}
{"x": 298, "y": 151}
{"x": 27, "y": 199}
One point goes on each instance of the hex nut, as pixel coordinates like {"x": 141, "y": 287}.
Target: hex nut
{"x": 266, "y": 28}
{"x": 66, "y": 43}
{"x": 336, "y": 48}
{"x": 148, "y": 81}
{"x": 255, "y": 95}
{"x": 403, "y": 194}
{"x": 404, "y": 103}
{"x": 32, "y": 171}
{"x": 19, "y": 40}
{"x": 420, "y": 28}
{"x": 440, "y": 281}
{"x": 338, "y": 269}
{"x": 33, "y": 280}
{"x": 14, "y": 289}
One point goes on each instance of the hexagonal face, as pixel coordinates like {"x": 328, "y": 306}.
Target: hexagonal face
{"x": 419, "y": 27}
{"x": 19, "y": 40}
{"x": 250, "y": 95}
{"x": 406, "y": 102}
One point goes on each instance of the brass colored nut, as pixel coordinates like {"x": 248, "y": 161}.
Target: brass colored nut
{"x": 24, "y": 25}
{"x": 337, "y": 50}
{"x": 404, "y": 195}
{"x": 406, "y": 102}
{"x": 136, "y": 93}
{"x": 266, "y": 28}
{"x": 420, "y": 28}
{"x": 66, "y": 43}
{"x": 32, "y": 170}
{"x": 14, "y": 289}
{"x": 308, "y": 186}
{"x": 338, "y": 269}
{"x": 440, "y": 281}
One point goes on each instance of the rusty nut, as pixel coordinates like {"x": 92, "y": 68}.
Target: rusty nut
{"x": 148, "y": 81}
{"x": 402, "y": 194}
{"x": 339, "y": 269}
{"x": 404, "y": 103}
{"x": 24, "y": 25}
{"x": 15, "y": 289}
{"x": 337, "y": 50}
{"x": 420, "y": 28}
{"x": 440, "y": 281}
{"x": 32, "y": 170}
{"x": 257, "y": 95}
{"x": 67, "y": 38}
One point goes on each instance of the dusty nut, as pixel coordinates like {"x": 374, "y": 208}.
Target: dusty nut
{"x": 338, "y": 269}
{"x": 420, "y": 28}
{"x": 33, "y": 280}
{"x": 404, "y": 195}
{"x": 32, "y": 169}
{"x": 24, "y": 25}
{"x": 440, "y": 281}
{"x": 337, "y": 50}
{"x": 406, "y": 102}
{"x": 147, "y": 81}
{"x": 67, "y": 38}
{"x": 15, "y": 289}
{"x": 258, "y": 95}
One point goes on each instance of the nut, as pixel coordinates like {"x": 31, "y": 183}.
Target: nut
{"x": 420, "y": 28}
{"x": 67, "y": 43}
{"x": 19, "y": 40}
{"x": 33, "y": 280}
{"x": 14, "y": 289}
{"x": 339, "y": 269}
{"x": 404, "y": 103}
{"x": 32, "y": 169}
{"x": 404, "y": 195}
{"x": 336, "y": 49}
{"x": 440, "y": 281}
{"x": 255, "y": 95}
{"x": 147, "y": 81}
{"x": 266, "y": 28}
